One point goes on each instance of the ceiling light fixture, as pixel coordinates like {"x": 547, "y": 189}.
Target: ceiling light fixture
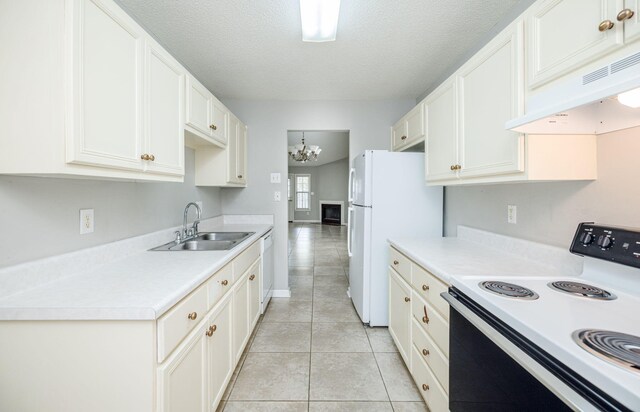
{"x": 303, "y": 153}
{"x": 319, "y": 19}
{"x": 630, "y": 98}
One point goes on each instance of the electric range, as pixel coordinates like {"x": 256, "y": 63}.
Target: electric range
{"x": 551, "y": 342}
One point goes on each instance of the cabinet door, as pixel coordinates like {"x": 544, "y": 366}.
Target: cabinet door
{"x": 221, "y": 361}
{"x": 106, "y": 51}
{"x": 164, "y": 103}
{"x": 241, "y": 154}
{"x": 632, "y": 25}
{"x": 232, "y": 150}
{"x": 255, "y": 294}
{"x": 490, "y": 92}
{"x": 240, "y": 315}
{"x": 415, "y": 124}
{"x": 199, "y": 103}
{"x": 564, "y": 35}
{"x": 400, "y": 314}
{"x": 399, "y": 134}
{"x": 441, "y": 150}
{"x": 220, "y": 117}
{"x": 182, "y": 380}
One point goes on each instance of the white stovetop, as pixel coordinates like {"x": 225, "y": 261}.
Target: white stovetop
{"x": 140, "y": 286}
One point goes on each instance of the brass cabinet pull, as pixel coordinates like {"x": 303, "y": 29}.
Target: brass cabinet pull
{"x": 252, "y": 277}
{"x": 225, "y": 282}
{"x": 403, "y": 138}
{"x": 239, "y": 176}
{"x": 425, "y": 352}
{"x": 425, "y": 318}
{"x": 425, "y": 287}
{"x": 453, "y": 167}
{"x": 425, "y": 387}
{"x": 213, "y": 127}
{"x": 605, "y": 25}
{"x": 152, "y": 157}
{"x": 144, "y": 156}
{"x": 625, "y": 14}
{"x": 193, "y": 315}
{"x": 211, "y": 329}
{"x": 406, "y": 299}
{"x": 395, "y": 262}
{"x": 458, "y": 167}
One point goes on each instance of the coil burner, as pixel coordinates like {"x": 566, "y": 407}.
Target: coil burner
{"x": 508, "y": 290}
{"x": 615, "y": 347}
{"x": 582, "y": 290}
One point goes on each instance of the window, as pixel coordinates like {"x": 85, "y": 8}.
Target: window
{"x": 303, "y": 187}
{"x": 289, "y": 189}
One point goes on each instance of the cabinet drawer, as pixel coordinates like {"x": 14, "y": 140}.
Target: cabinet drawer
{"x": 430, "y": 354}
{"x": 246, "y": 258}
{"x": 431, "y": 321}
{"x": 400, "y": 263}
{"x": 219, "y": 284}
{"x": 430, "y": 288}
{"x": 175, "y": 324}
{"x": 433, "y": 394}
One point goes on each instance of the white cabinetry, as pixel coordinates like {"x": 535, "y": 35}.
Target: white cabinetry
{"x": 240, "y": 315}
{"x": 441, "y": 150}
{"x": 410, "y": 130}
{"x": 632, "y": 25}
{"x": 400, "y": 314}
{"x": 219, "y": 351}
{"x": 206, "y": 117}
{"x": 255, "y": 273}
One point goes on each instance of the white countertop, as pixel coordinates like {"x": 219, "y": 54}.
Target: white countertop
{"x": 476, "y": 253}
{"x": 140, "y": 286}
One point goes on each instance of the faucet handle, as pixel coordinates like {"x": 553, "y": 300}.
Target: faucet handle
{"x": 178, "y": 236}
{"x": 195, "y": 227}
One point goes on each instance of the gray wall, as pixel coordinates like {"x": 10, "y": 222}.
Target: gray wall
{"x": 44, "y": 212}
{"x": 550, "y": 212}
{"x": 328, "y": 182}
{"x": 368, "y": 123}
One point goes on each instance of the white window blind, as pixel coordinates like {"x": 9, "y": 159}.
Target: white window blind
{"x": 303, "y": 189}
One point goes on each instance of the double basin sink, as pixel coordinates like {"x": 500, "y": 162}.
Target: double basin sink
{"x": 207, "y": 241}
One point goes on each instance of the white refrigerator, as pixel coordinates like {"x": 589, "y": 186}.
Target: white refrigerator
{"x": 389, "y": 198}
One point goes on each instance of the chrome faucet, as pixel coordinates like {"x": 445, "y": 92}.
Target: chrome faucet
{"x": 193, "y": 231}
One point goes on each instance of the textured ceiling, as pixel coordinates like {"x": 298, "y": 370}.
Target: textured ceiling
{"x": 334, "y": 145}
{"x": 250, "y": 49}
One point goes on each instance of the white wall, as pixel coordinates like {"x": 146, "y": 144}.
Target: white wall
{"x": 550, "y": 212}
{"x": 40, "y": 216}
{"x": 369, "y": 124}
{"x": 328, "y": 182}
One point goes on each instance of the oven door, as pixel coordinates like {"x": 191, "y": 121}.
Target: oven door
{"x": 494, "y": 368}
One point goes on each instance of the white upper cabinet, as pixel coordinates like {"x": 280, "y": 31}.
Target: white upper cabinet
{"x": 107, "y": 53}
{"x": 441, "y": 149}
{"x": 565, "y": 35}
{"x": 164, "y": 100}
{"x": 198, "y": 108}
{"x": 219, "y": 117}
{"x": 490, "y": 92}
{"x": 241, "y": 154}
{"x": 410, "y": 130}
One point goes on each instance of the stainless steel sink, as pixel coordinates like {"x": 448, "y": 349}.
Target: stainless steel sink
{"x": 207, "y": 241}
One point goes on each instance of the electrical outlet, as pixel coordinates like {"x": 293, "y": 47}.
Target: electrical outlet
{"x": 512, "y": 214}
{"x": 86, "y": 221}
{"x": 275, "y": 177}
{"x": 276, "y": 196}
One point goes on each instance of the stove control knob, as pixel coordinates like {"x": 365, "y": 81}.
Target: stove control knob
{"x": 587, "y": 239}
{"x": 604, "y": 242}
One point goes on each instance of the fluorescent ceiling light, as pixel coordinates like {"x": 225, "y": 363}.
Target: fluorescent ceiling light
{"x": 630, "y": 98}
{"x": 319, "y": 19}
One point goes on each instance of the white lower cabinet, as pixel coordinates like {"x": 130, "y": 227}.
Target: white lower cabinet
{"x": 240, "y": 315}
{"x": 255, "y": 273}
{"x": 219, "y": 350}
{"x": 419, "y": 326}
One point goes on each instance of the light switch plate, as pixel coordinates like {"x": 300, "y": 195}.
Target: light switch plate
{"x": 276, "y": 196}
{"x": 86, "y": 221}
{"x": 275, "y": 177}
{"x": 512, "y": 214}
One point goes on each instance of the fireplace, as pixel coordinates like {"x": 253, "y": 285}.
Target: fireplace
{"x": 331, "y": 214}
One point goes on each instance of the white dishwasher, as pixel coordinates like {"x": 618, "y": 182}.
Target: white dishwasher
{"x": 267, "y": 269}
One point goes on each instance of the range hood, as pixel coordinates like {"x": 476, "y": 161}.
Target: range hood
{"x": 586, "y": 104}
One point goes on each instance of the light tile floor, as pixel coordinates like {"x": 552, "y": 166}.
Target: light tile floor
{"x": 310, "y": 352}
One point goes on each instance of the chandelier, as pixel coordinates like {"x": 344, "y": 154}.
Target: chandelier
{"x": 303, "y": 153}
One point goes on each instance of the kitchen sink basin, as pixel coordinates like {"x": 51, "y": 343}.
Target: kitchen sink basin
{"x": 207, "y": 241}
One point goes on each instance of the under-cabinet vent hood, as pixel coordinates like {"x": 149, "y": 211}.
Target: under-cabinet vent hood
{"x": 586, "y": 104}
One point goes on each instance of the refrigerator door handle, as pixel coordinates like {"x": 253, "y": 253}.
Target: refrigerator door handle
{"x": 352, "y": 172}
{"x": 350, "y": 209}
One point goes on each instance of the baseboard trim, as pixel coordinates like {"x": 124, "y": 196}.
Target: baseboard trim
{"x": 281, "y": 293}
{"x": 306, "y": 221}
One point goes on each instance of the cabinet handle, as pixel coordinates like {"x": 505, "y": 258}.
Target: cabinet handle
{"x": 152, "y": 157}
{"x": 396, "y": 263}
{"x": 403, "y": 138}
{"x": 213, "y": 127}
{"x": 625, "y": 14}
{"x": 193, "y": 315}
{"x": 225, "y": 282}
{"x": 425, "y": 318}
{"x": 211, "y": 329}
{"x": 239, "y": 176}
{"x": 144, "y": 157}
{"x": 605, "y": 25}
{"x": 425, "y": 287}
{"x": 252, "y": 277}
{"x": 425, "y": 387}
{"x": 406, "y": 299}
{"x": 425, "y": 352}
